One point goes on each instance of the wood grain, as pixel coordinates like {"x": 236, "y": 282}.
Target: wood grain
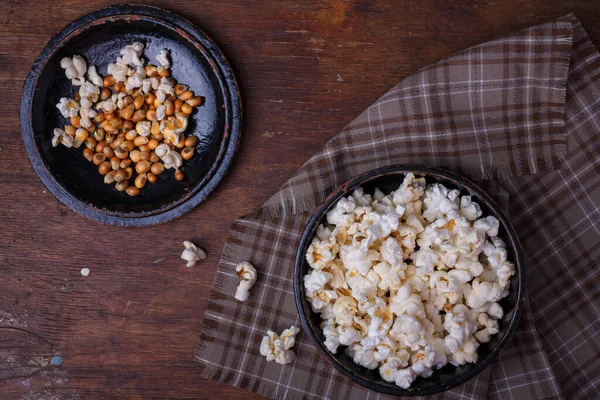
{"x": 305, "y": 69}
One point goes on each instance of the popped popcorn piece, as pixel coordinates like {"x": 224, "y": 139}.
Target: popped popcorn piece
{"x": 437, "y": 203}
{"x": 146, "y": 85}
{"x": 89, "y": 90}
{"x": 358, "y": 258}
{"x": 412, "y": 189}
{"x": 278, "y": 348}
{"x": 162, "y": 149}
{"x": 332, "y": 340}
{"x": 161, "y": 112}
{"x": 495, "y": 311}
{"x": 143, "y": 128}
{"x": 390, "y": 276}
{"x": 362, "y": 357}
{"x": 135, "y": 80}
{"x": 490, "y": 328}
{"x": 469, "y": 209}
{"x": 408, "y": 281}
{"x": 342, "y": 214}
{"x": 404, "y": 377}
{"x": 393, "y": 364}
{"x": 315, "y": 281}
{"x": 381, "y": 319}
{"x": 406, "y": 302}
{"x": 338, "y": 275}
{"x": 119, "y": 70}
{"x": 247, "y": 274}
{"x": 489, "y": 225}
{"x": 163, "y": 58}
{"x": 85, "y": 271}
{"x": 192, "y": 253}
{"x": 132, "y": 54}
{"x": 164, "y": 89}
{"x": 422, "y": 361}
{"x": 347, "y": 335}
{"x": 171, "y": 159}
{"x": 60, "y": 136}
{"x": 75, "y": 68}
{"x": 93, "y": 76}
{"x": 87, "y": 114}
{"x": 106, "y": 106}
{"x": 68, "y": 107}
{"x": 323, "y": 299}
{"x": 344, "y": 310}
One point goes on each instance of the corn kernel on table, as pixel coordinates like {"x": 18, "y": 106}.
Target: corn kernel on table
{"x": 129, "y": 329}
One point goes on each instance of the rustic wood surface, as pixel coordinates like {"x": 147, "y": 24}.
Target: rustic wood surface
{"x": 305, "y": 69}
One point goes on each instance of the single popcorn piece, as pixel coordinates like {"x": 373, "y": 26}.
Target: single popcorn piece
{"x": 146, "y": 85}
{"x": 172, "y": 160}
{"x": 247, "y": 274}
{"x": 68, "y": 107}
{"x": 75, "y": 69}
{"x": 409, "y": 281}
{"x": 162, "y": 149}
{"x": 163, "y": 58}
{"x": 143, "y": 128}
{"x": 93, "y": 76}
{"x": 119, "y": 70}
{"x": 135, "y": 80}
{"x": 60, "y": 136}
{"x": 132, "y": 54}
{"x": 161, "y": 112}
{"x": 192, "y": 254}
{"x": 106, "y": 106}
{"x": 87, "y": 114}
{"x": 165, "y": 88}
{"x": 89, "y": 90}
{"x": 279, "y": 348}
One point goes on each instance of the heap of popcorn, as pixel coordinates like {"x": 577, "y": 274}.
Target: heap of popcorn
{"x": 408, "y": 281}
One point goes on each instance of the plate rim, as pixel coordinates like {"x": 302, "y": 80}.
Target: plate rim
{"x": 232, "y": 128}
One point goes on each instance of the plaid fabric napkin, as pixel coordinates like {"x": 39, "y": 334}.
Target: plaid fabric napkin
{"x": 520, "y": 114}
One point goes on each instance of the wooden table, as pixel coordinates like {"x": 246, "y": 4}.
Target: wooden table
{"x": 305, "y": 69}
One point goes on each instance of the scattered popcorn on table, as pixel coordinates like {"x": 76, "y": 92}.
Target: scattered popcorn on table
{"x": 408, "y": 281}
{"x": 85, "y": 271}
{"x": 191, "y": 254}
{"x": 247, "y": 274}
{"x": 278, "y": 348}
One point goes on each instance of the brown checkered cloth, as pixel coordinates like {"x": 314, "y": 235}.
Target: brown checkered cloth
{"x": 522, "y": 115}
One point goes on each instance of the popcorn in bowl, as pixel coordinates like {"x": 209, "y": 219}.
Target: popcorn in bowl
{"x": 409, "y": 281}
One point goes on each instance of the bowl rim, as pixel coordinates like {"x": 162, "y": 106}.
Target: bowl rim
{"x": 344, "y": 190}
{"x": 232, "y": 124}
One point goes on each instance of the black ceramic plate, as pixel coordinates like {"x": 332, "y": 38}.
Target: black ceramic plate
{"x": 388, "y": 179}
{"x": 196, "y": 61}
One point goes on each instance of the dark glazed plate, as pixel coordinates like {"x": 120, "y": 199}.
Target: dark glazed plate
{"x": 196, "y": 61}
{"x": 388, "y": 179}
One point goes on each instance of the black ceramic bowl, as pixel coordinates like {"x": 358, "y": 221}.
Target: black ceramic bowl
{"x": 388, "y": 179}
{"x": 196, "y": 61}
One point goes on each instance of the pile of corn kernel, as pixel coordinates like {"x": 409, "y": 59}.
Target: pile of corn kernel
{"x": 132, "y": 121}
